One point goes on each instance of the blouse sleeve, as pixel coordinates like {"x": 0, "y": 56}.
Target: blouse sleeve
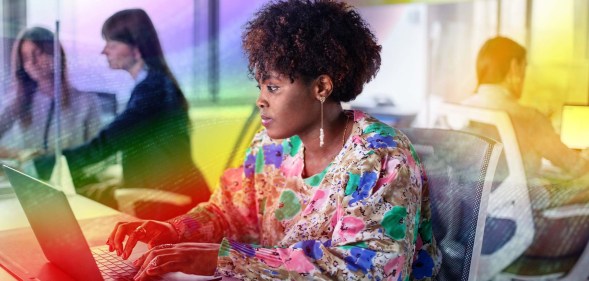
{"x": 380, "y": 230}
{"x": 230, "y": 212}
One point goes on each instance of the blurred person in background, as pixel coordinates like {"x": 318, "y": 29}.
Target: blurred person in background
{"x": 501, "y": 70}
{"x": 153, "y": 131}
{"x": 28, "y": 116}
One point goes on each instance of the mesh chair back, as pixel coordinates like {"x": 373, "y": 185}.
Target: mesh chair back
{"x": 460, "y": 168}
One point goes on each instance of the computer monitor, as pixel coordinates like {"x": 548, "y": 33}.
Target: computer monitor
{"x": 574, "y": 129}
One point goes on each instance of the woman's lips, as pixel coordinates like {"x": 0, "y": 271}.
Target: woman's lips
{"x": 266, "y": 120}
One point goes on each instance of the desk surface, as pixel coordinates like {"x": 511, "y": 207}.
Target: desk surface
{"x": 96, "y": 221}
{"x": 12, "y": 218}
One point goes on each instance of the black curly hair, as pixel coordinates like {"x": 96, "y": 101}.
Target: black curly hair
{"x": 308, "y": 38}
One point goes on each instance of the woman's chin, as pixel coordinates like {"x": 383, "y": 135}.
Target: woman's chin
{"x": 277, "y": 135}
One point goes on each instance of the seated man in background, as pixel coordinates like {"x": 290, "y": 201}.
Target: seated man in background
{"x": 501, "y": 65}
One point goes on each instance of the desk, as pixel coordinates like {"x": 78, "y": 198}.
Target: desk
{"x": 96, "y": 221}
{"x": 13, "y": 219}
{"x": 12, "y": 215}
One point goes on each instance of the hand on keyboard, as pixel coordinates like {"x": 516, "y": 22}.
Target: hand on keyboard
{"x": 151, "y": 232}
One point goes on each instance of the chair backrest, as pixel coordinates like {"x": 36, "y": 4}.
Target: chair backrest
{"x": 460, "y": 168}
{"x": 510, "y": 227}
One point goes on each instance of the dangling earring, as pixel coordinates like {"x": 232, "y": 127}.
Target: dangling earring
{"x": 321, "y": 135}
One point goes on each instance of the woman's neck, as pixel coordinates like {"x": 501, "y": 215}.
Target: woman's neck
{"x": 135, "y": 69}
{"x": 45, "y": 87}
{"x": 336, "y": 129}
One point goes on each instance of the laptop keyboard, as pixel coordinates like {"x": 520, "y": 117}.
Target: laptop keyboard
{"x": 112, "y": 266}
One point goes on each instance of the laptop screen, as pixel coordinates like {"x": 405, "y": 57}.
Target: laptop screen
{"x": 54, "y": 225}
{"x": 574, "y": 130}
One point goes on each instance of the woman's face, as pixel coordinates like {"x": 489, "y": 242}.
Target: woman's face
{"x": 287, "y": 108}
{"x": 120, "y": 55}
{"x": 36, "y": 63}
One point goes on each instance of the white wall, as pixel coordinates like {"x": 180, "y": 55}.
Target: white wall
{"x": 401, "y": 30}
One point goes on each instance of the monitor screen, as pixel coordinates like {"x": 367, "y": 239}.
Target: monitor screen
{"x": 574, "y": 130}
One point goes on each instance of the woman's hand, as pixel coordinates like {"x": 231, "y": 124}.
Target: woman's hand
{"x": 148, "y": 231}
{"x": 8, "y": 153}
{"x": 27, "y": 154}
{"x": 189, "y": 258}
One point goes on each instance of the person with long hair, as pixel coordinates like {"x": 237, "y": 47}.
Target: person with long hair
{"x": 28, "y": 117}
{"x": 153, "y": 131}
{"x": 323, "y": 193}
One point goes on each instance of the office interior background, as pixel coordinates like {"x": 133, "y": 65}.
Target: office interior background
{"x": 428, "y": 55}
{"x": 429, "y": 51}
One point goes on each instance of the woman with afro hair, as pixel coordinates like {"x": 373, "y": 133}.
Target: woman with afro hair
{"x": 324, "y": 193}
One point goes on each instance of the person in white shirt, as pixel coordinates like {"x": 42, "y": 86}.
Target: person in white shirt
{"x": 501, "y": 70}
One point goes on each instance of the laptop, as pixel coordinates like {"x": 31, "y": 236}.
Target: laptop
{"x": 60, "y": 236}
{"x": 574, "y": 129}
{"x": 60, "y": 176}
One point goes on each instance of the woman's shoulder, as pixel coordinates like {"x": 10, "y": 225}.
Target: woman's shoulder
{"x": 155, "y": 78}
{"x": 155, "y": 84}
{"x": 374, "y": 135}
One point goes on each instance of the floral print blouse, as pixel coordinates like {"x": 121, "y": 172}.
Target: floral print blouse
{"x": 365, "y": 217}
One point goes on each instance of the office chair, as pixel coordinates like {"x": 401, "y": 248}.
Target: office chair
{"x": 510, "y": 223}
{"x": 460, "y": 168}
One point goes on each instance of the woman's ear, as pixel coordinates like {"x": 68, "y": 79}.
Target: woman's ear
{"x": 323, "y": 86}
{"x": 137, "y": 54}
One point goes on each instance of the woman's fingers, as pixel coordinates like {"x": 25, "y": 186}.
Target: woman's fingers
{"x": 112, "y": 237}
{"x": 149, "y": 259}
{"x": 138, "y": 234}
{"x": 163, "y": 268}
{"x": 191, "y": 258}
{"x": 136, "y": 231}
{"x": 151, "y": 232}
{"x": 160, "y": 265}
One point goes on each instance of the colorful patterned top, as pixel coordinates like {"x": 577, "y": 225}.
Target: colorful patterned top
{"x": 365, "y": 217}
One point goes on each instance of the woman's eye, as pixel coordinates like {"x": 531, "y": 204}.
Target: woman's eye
{"x": 258, "y": 86}
{"x": 271, "y": 88}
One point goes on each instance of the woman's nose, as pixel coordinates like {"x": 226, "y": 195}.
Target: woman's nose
{"x": 261, "y": 102}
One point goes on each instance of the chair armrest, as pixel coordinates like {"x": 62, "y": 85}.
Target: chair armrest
{"x": 127, "y": 197}
{"x": 567, "y": 211}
